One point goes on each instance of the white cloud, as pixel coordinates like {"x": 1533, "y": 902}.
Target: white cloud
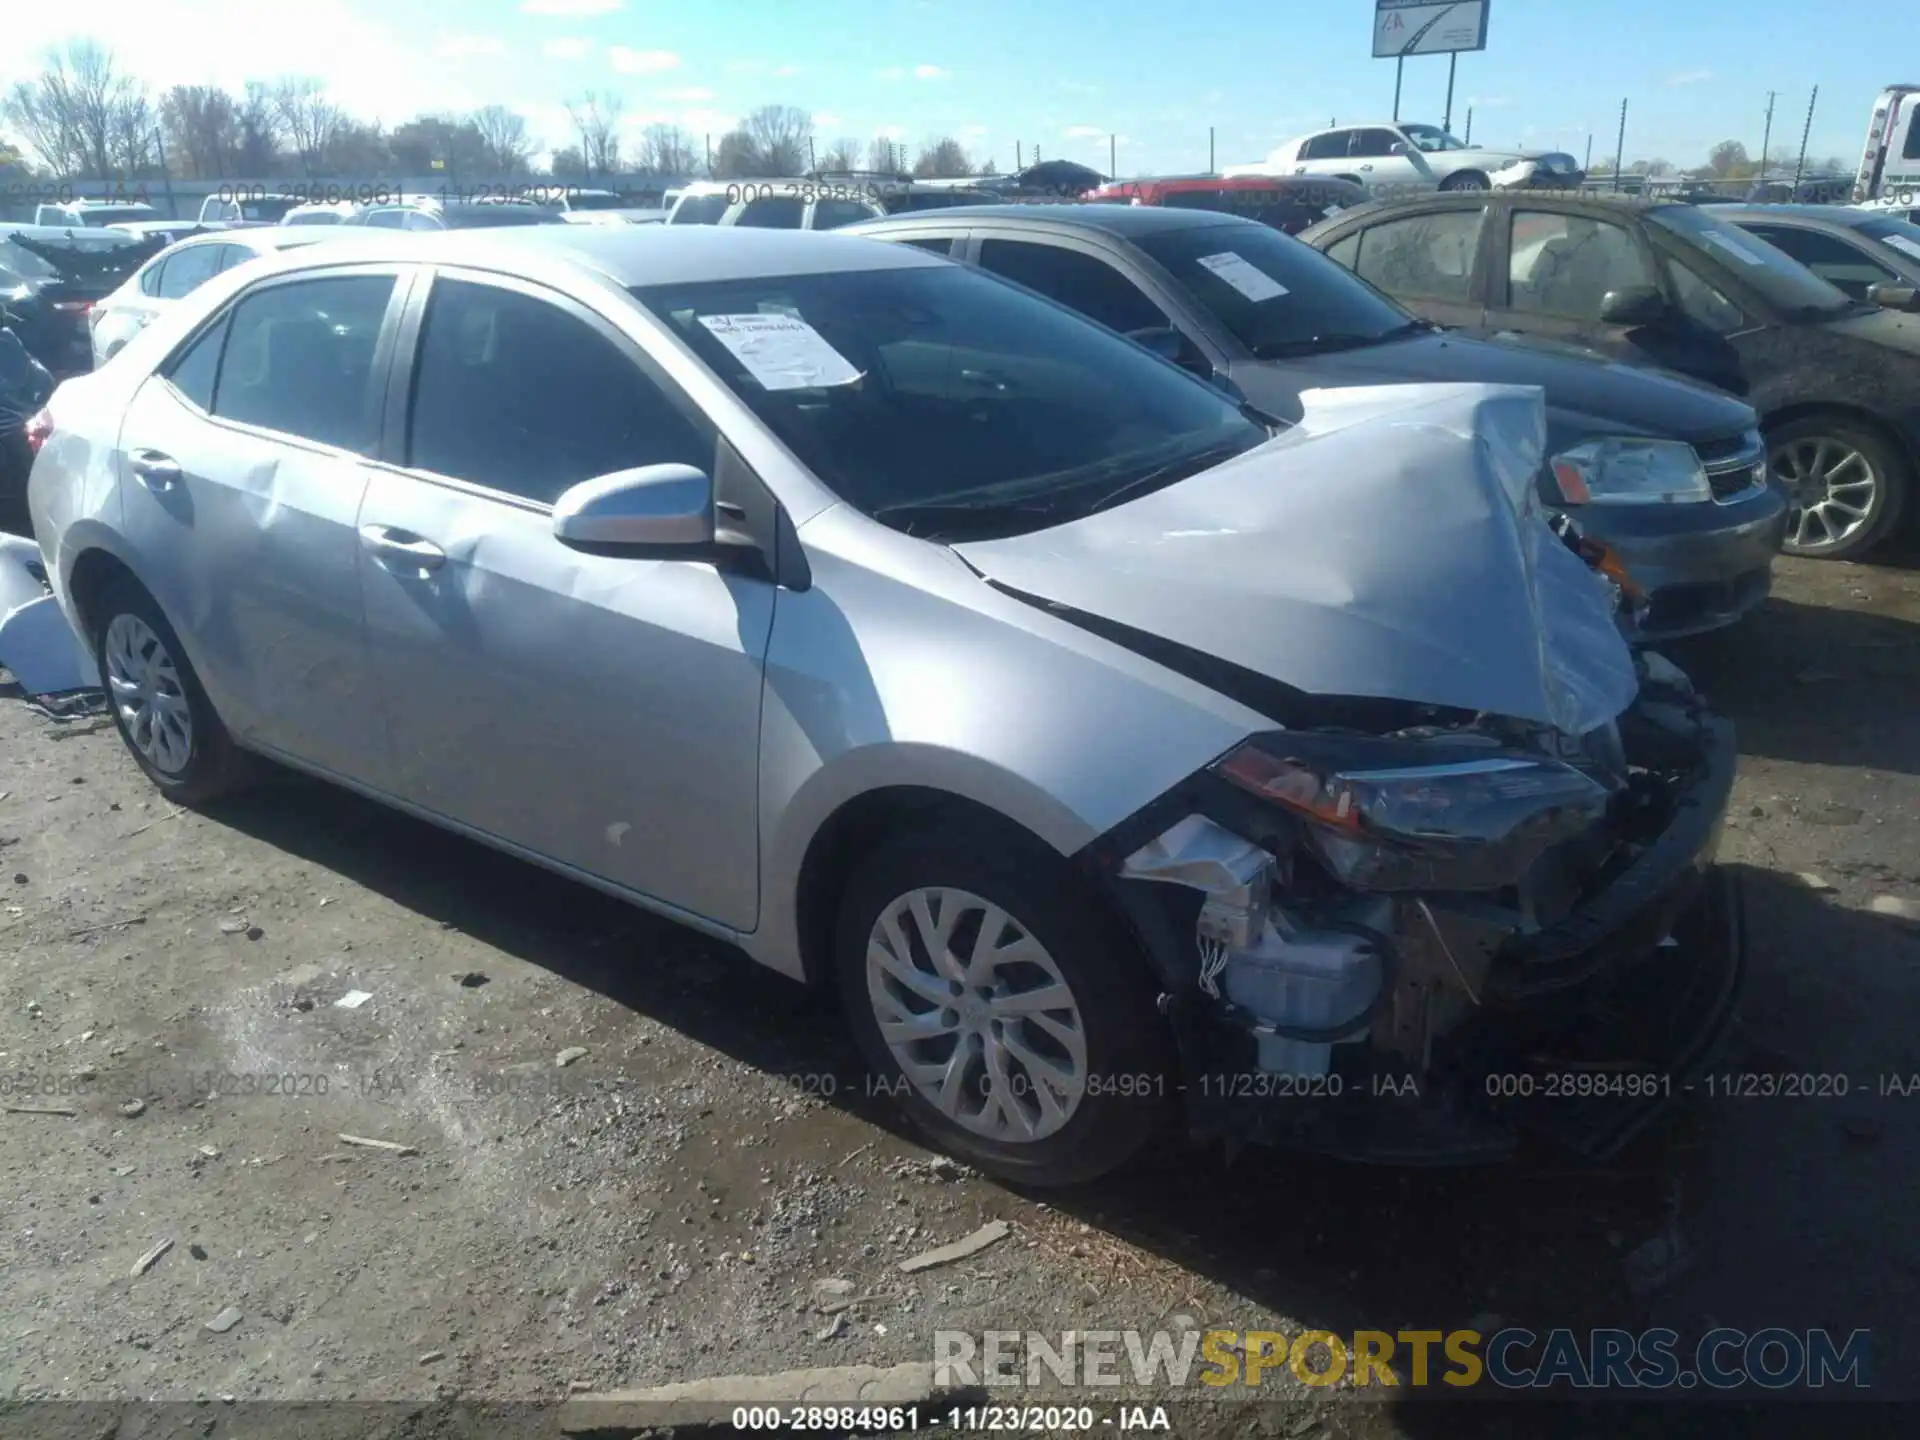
{"x": 1689, "y": 77}
{"x": 566, "y": 48}
{"x": 892, "y": 132}
{"x": 824, "y": 121}
{"x": 462, "y": 47}
{"x": 1085, "y": 132}
{"x": 928, "y": 72}
{"x": 760, "y": 67}
{"x": 706, "y": 122}
{"x": 571, "y": 7}
{"x": 687, "y": 92}
{"x": 641, "y": 62}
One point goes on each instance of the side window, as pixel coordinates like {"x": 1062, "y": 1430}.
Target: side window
{"x": 1911, "y": 150}
{"x": 699, "y": 210}
{"x": 776, "y": 212}
{"x": 933, "y": 244}
{"x": 1076, "y": 280}
{"x": 192, "y": 371}
{"x": 1346, "y": 252}
{"x": 385, "y": 219}
{"x": 1832, "y": 259}
{"x": 832, "y": 214}
{"x": 150, "y": 278}
{"x": 300, "y": 360}
{"x": 1701, "y": 303}
{"x": 1563, "y": 265}
{"x": 1424, "y": 257}
{"x": 232, "y": 255}
{"x": 1330, "y": 146}
{"x": 188, "y": 269}
{"x": 514, "y": 393}
{"x": 1372, "y": 144}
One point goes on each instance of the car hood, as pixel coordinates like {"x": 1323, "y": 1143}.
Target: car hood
{"x": 1389, "y": 547}
{"x": 1585, "y": 394}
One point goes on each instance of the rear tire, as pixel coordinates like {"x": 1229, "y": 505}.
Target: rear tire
{"x": 1846, "y": 485}
{"x": 1067, "y": 994}
{"x": 163, "y": 715}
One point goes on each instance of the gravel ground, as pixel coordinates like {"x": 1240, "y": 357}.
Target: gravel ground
{"x": 664, "y": 1205}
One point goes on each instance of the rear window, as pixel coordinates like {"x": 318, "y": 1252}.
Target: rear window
{"x": 268, "y": 211}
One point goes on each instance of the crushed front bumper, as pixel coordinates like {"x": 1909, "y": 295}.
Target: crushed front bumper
{"x": 1584, "y": 1032}
{"x": 1702, "y": 566}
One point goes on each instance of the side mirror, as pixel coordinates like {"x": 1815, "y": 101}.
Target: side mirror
{"x": 1635, "y": 305}
{"x": 1889, "y": 296}
{"x": 656, "y": 507}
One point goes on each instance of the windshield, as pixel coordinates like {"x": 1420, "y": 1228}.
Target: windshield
{"x": 1902, "y": 235}
{"x": 317, "y": 217}
{"x": 1277, "y": 296}
{"x": 948, "y": 404}
{"x": 589, "y": 200}
{"x": 1782, "y": 281}
{"x": 270, "y": 210}
{"x": 1431, "y": 138}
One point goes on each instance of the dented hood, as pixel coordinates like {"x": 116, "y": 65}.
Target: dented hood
{"x": 1390, "y": 546}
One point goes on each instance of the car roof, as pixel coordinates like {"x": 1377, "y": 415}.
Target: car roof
{"x": 628, "y": 255}
{"x": 1122, "y": 220}
{"x": 1844, "y": 215}
{"x": 1531, "y": 199}
{"x": 1178, "y": 183}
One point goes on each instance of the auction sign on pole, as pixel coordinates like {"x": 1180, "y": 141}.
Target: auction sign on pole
{"x": 1423, "y": 27}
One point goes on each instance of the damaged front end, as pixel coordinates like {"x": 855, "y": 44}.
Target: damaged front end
{"x": 1411, "y": 946}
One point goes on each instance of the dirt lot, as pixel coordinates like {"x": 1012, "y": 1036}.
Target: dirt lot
{"x": 662, "y": 1207}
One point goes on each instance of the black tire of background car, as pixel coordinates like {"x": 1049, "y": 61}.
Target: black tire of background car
{"x": 1466, "y": 180}
{"x": 1126, "y": 1036}
{"x": 215, "y": 766}
{"x": 1891, "y": 469}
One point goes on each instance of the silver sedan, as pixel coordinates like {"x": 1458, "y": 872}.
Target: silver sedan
{"x": 1116, "y": 751}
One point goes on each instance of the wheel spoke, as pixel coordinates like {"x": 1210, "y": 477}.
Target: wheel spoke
{"x": 930, "y": 988}
{"x": 1029, "y": 1002}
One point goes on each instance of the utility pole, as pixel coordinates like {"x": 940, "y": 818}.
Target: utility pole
{"x": 1399, "y": 69}
{"x": 166, "y": 175}
{"x": 1620, "y": 149}
{"x": 1801, "y": 168}
{"x": 1453, "y": 60}
{"x": 813, "y": 165}
{"x": 1589, "y": 165}
{"x": 1766, "y": 138}
{"x": 1018, "y": 163}
{"x": 709, "y": 156}
{"x": 1468, "y": 137}
{"x": 1113, "y": 158}
{"x": 1210, "y": 166}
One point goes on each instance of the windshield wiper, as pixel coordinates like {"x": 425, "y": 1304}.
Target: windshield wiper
{"x": 1331, "y": 340}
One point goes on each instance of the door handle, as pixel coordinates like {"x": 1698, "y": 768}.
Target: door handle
{"x": 1366, "y": 167}
{"x": 392, "y": 544}
{"x": 154, "y": 470}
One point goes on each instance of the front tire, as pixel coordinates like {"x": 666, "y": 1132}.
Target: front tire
{"x": 1846, "y": 486}
{"x": 1003, "y": 1007}
{"x": 162, "y": 713}
{"x": 1466, "y": 180}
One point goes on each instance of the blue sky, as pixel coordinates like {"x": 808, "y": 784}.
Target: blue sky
{"x": 1061, "y": 76}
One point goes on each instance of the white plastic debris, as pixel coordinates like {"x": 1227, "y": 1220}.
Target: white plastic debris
{"x": 353, "y": 999}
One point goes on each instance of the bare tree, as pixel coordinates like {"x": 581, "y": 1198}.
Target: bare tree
{"x": 735, "y": 156}
{"x": 666, "y": 150}
{"x": 359, "y": 148}
{"x": 438, "y": 142}
{"x": 68, "y": 113}
{"x": 841, "y": 155}
{"x": 132, "y": 126}
{"x": 942, "y": 159}
{"x": 566, "y": 164}
{"x": 257, "y": 151}
{"x": 201, "y": 124}
{"x": 1729, "y": 159}
{"x": 779, "y": 136}
{"x": 884, "y": 155}
{"x": 309, "y": 120}
{"x": 596, "y": 115}
{"x": 503, "y": 139}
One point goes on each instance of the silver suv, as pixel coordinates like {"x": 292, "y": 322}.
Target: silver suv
{"x": 778, "y": 204}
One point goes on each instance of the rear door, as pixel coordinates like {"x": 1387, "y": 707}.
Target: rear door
{"x": 598, "y": 710}
{"x": 241, "y": 465}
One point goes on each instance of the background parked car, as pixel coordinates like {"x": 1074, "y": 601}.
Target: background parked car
{"x": 1395, "y": 158}
{"x": 781, "y": 203}
{"x": 248, "y": 209}
{"x": 433, "y": 215}
{"x": 91, "y": 214}
{"x": 58, "y": 275}
{"x": 1852, "y": 250}
{"x": 170, "y": 231}
{"x": 1835, "y": 381}
{"x": 600, "y": 207}
{"x": 1288, "y": 203}
{"x": 25, "y": 385}
{"x": 1236, "y": 302}
{"x": 174, "y": 274}
{"x": 326, "y": 212}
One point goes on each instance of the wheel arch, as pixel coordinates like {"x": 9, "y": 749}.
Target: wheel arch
{"x": 92, "y": 571}
{"x": 1852, "y": 414}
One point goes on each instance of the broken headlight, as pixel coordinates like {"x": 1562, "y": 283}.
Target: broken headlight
{"x": 1626, "y": 471}
{"x": 1399, "y": 815}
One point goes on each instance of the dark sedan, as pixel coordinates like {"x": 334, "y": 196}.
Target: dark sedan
{"x": 1669, "y": 472}
{"x": 50, "y": 279}
{"x": 1836, "y": 381}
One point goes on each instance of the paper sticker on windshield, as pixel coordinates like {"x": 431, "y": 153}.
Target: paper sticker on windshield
{"x": 1902, "y": 243}
{"x": 782, "y": 352}
{"x": 1332, "y": 210}
{"x": 1736, "y": 249}
{"x": 1247, "y": 278}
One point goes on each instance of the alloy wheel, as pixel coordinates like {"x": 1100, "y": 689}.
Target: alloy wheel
{"x": 977, "y": 1014}
{"x": 144, "y": 683}
{"x": 1831, "y": 487}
